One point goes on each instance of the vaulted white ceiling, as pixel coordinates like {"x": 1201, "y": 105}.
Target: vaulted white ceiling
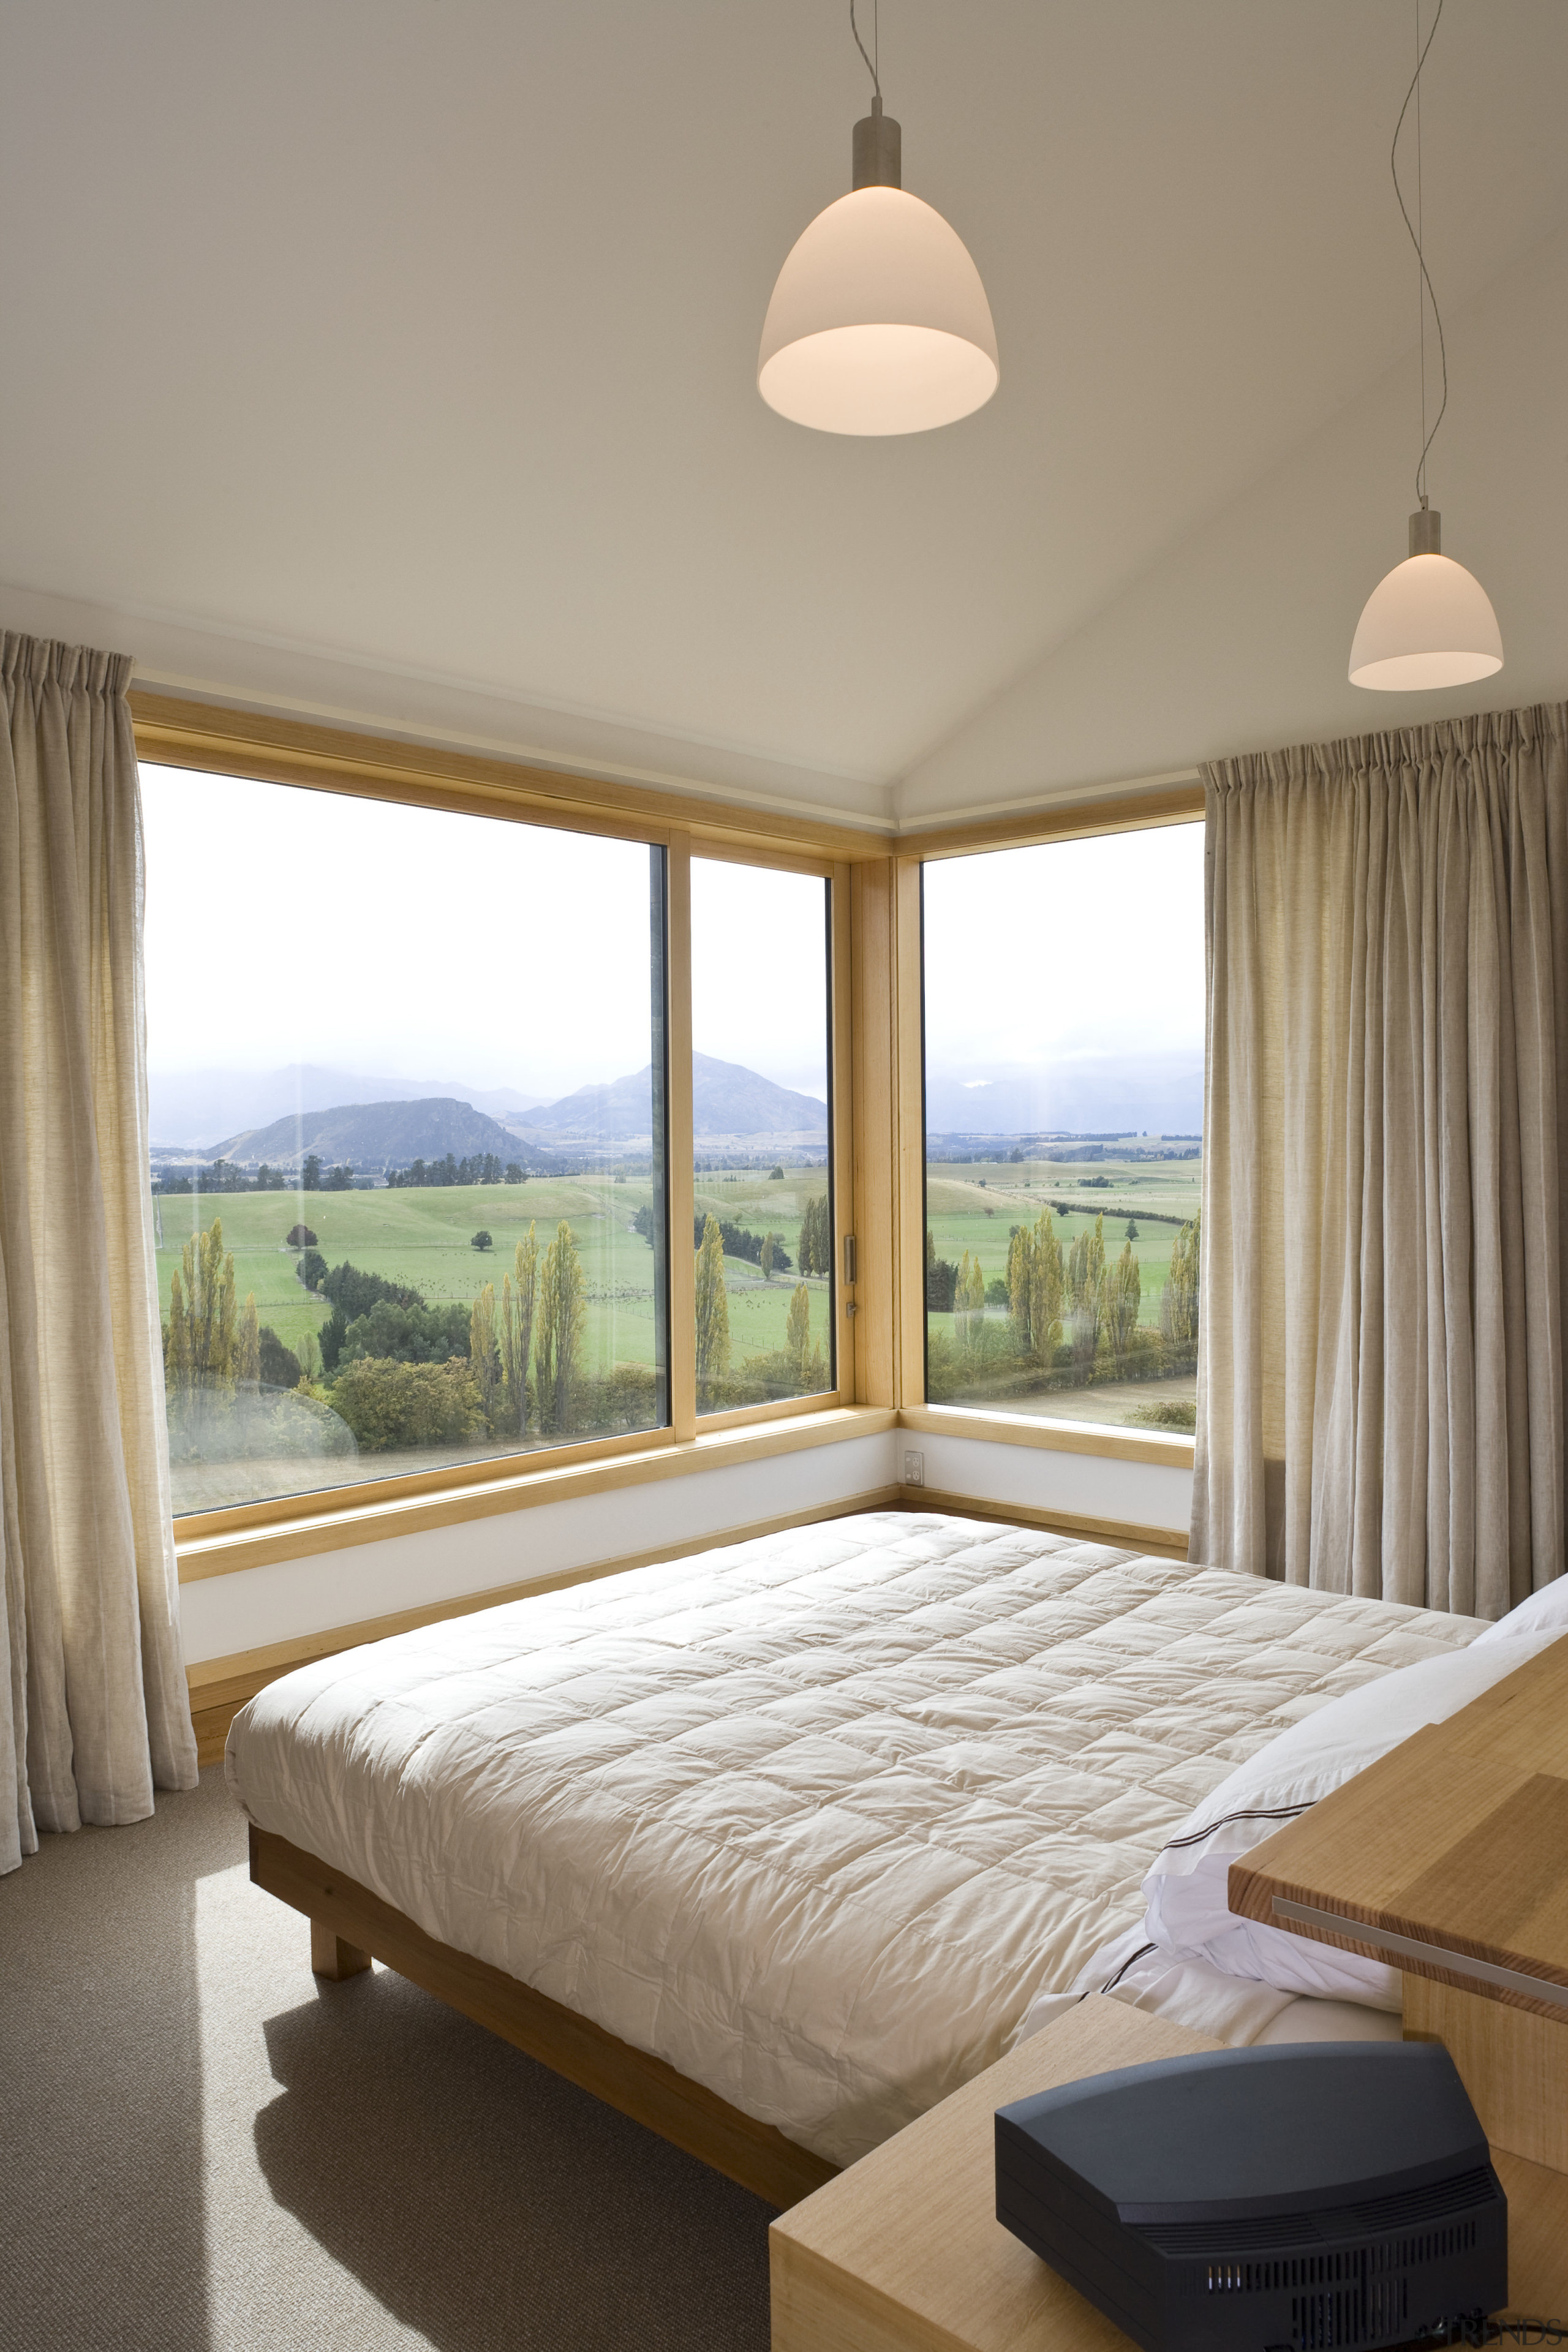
{"x": 396, "y": 359}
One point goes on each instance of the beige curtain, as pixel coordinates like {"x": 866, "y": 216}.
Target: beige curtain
{"x": 1381, "y": 1347}
{"x": 93, "y": 1709}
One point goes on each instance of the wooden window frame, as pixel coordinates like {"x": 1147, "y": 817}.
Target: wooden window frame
{"x": 1082, "y": 821}
{"x": 878, "y": 1130}
{"x": 215, "y": 740}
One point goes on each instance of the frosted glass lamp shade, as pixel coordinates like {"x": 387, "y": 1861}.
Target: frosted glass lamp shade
{"x": 1430, "y": 623}
{"x": 878, "y": 322}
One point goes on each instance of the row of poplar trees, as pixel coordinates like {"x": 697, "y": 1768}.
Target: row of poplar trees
{"x": 540, "y": 1312}
{"x": 1077, "y": 1295}
{"x": 713, "y": 1316}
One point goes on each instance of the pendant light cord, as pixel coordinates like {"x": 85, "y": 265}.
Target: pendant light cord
{"x": 876, "y": 42}
{"x": 1424, "y": 288}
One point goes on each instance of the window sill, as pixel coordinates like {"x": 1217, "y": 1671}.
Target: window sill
{"x": 350, "y": 1519}
{"x": 1164, "y": 1449}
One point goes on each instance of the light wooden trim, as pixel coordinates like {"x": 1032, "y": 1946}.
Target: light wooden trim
{"x": 748, "y": 1416}
{"x": 212, "y": 736}
{"x": 1125, "y": 1534}
{"x": 312, "y": 1532}
{"x": 760, "y": 2158}
{"x": 219, "y": 1687}
{"x": 1445, "y": 1855}
{"x": 193, "y": 1529}
{"x": 1512, "y": 2062}
{"x": 909, "y": 1168}
{"x": 817, "y": 865}
{"x": 1164, "y": 1449}
{"x": 1128, "y": 813}
{"x": 841, "y": 1132}
{"x": 680, "y": 1145}
{"x": 870, "y": 1192}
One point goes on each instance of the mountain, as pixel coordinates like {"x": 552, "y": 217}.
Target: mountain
{"x": 1090, "y": 1094}
{"x": 381, "y": 1135}
{"x": 726, "y": 1099}
{"x": 194, "y": 1108}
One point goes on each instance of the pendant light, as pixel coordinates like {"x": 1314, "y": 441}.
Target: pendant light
{"x": 878, "y": 322}
{"x": 1430, "y": 622}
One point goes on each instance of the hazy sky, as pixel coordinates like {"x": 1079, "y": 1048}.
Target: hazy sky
{"x": 1076, "y": 948}
{"x": 286, "y": 925}
{"x": 759, "y": 971}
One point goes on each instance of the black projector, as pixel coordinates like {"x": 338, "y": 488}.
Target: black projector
{"x": 1300, "y": 2199}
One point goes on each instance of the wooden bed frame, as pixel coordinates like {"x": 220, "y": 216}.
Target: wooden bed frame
{"x": 1450, "y": 1857}
{"x": 349, "y": 1926}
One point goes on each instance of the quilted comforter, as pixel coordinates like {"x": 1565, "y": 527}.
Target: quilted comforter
{"x": 813, "y": 1817}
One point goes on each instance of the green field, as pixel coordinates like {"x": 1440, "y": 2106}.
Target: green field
{"x": 423, "y": 1237}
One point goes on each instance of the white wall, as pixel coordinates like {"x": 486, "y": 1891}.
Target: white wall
{"x": 222, "y": 1616}
{"x": 254, "y": 1606}
{"x": 1081, "y": 1486}
{"x": 1239, "y": 639}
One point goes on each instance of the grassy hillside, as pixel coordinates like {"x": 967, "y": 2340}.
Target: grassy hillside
{"x": 422, "y": 1238}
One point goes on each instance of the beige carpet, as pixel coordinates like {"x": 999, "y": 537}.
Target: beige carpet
{"x": 199, "y": 2148}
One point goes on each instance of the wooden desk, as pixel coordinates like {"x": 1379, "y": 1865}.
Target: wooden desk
{"x": 1448, "y": 1857}
{"x": 904, "y": 2254}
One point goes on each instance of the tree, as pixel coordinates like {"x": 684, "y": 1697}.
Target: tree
{"x": 712, "y": 1314}
{"x": 942, "y": 1286}
{"x": 765, "y": 1258}
{"x": 560, "y": 1319}
{"x": 484, "y": 1350}
{"x": 1179, "y": 1297}
{"x": 1086, "y": 1298}
{"x": 969, "y": 1301}
{"x": 775, "y": 1174}
{"x": 199, "y": 1339}
{"x": 519, "y": 1293}
{"x": 1124, "y": 1294}
{"x": 299, "y": 1237}
{"x": 280, "y": 1366}
{"x": 355, "y": 1292}
{"x": 798, "y": 1336}
{"x": 1131, "y": 1229}
{"x": 248, "y": 1345}
{"x": 516, "y": 1173}
{"x": 481, "y": 1240}
{"x": 389, "y": 1404}
{"x": 816, "y": 1237}
{"x": 1035, "y": 1280}
{"x": 311, "y": 1173}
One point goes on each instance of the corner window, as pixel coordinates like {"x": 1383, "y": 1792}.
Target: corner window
{"x": 406, "y": 1080}
{"x": 1064, "y": 1080}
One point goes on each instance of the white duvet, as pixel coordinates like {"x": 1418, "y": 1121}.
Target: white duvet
{"x": 814, "y": 1819}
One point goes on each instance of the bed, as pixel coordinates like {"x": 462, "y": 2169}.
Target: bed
{"x": 777, "y": 1845}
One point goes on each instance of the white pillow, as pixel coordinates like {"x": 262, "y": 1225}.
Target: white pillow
{"x": 1545, "y": 1611}
{"x": 1185, "y": 1891}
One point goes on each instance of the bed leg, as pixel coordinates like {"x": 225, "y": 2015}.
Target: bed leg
{"x": 331, "y": 1958}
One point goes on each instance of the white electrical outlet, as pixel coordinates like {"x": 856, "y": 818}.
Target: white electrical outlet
{"x": 914, "y": 1469}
